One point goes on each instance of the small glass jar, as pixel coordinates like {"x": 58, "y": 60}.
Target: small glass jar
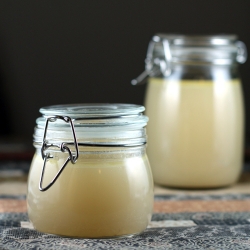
{"x": 195, "y": 109}
{"x": 90, "y": 176}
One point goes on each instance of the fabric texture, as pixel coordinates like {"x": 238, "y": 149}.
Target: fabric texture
{"x": 175, "y": 230}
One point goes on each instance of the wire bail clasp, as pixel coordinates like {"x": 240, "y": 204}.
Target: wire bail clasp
{"x": 154, "y": 66}
{"x": 241, "y": 52}
{"x": 63, "y": 147}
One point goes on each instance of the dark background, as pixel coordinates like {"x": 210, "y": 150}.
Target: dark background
{"x": 55, "y": 52}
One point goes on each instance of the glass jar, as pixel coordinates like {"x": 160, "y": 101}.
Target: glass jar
{"x": 90, "y": 176}
{"x": 195, "y": 109}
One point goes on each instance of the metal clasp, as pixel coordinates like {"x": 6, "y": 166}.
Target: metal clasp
{"x": 242, "y": 52}
{"x": 63, "y": 147}
{"x": 155, "y": 66}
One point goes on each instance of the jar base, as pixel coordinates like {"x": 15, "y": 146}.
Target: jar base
{"x": 95, "y": 237}
{"x": 189, "y": 187}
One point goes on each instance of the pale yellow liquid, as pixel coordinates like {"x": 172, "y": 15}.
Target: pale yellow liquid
{"x": 96, "y": 197}
{"x": 195, "y": 132}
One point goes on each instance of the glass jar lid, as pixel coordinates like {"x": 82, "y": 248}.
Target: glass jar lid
{"x": 92, "y": 110}
{"x": 93, "y": 124}
{"x": 166, "y": 50}
{"x": 218, "y": 49}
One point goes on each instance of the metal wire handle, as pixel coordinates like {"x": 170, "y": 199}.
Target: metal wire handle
{"x": 63, "y": 147}
{"x": 158, "y": 65}
{"x": 242, "y": 52}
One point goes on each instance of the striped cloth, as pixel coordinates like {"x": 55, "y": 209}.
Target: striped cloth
{"x": 180, "y": 221}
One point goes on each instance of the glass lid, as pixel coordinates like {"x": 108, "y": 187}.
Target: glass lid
{"x": 93, "y": 123}
{"x": 92, "y": 110}
{"x": 165, "y": 51}
{"x": 198, "y": 40}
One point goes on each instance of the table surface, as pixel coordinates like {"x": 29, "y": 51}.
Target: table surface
{"x": 182, "y": 219}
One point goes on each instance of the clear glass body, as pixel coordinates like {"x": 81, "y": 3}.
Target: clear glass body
{"x": 196, "y": 126}
{"x": 108, "y": 192}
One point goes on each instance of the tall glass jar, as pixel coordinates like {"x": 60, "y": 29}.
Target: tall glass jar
{"x": 195, "y": 109}
{"x": 90, "y": 176}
